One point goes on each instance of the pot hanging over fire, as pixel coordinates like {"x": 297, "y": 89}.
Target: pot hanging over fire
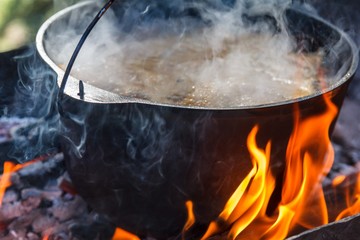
{"x": 139, "y": 161}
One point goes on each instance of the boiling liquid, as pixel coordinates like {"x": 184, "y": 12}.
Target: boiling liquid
{"x": 194, "y": 70}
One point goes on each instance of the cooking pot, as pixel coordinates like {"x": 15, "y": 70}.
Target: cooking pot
{"x": 138, "y": 161}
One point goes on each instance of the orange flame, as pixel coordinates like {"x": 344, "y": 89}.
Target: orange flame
{"x": 309, "y": 157}
{"x": 5, "y": 180}
{"x": 46, "y": 237}
{"x": 241, "y": 209}
{"x": 352, "y": 201}
{"x": 9, "y": 168}
{"x": 191, "y": 217}
{"x": 121, "y": 234}
{"x": 338, "y": 180}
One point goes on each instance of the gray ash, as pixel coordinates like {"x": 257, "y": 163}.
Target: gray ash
{"x": 44, "y": 208}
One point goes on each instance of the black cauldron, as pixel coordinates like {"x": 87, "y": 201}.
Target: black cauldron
{"x": 138, "y": 161}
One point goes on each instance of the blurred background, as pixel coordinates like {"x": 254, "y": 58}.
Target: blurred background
{"x": 21, "y": 19}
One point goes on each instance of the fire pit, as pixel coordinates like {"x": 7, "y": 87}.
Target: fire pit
{"x": 139, "y": 162}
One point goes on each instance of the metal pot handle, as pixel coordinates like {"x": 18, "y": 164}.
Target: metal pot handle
{"x": 77, "y": 50}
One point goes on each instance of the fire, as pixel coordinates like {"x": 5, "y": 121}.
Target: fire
{"x": 352, "y": 201}
{"x": 250, "y": 198}
{"x": 338, "y": 180}
{"x": 309, "y": 157}
{"x": 9, "y": 168}
{"x": 46, "y": 237}
{"x": 191, "y": 217}
{"x": 121, "y": 234}
{"x": 5, "y": 181}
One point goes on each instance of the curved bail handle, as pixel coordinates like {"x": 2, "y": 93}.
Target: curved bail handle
{"x": 78, "y": 47}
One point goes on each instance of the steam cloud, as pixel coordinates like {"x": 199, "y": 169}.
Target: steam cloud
{"x": 208, "y": 55}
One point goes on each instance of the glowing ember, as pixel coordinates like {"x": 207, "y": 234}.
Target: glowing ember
{"x": 9, "y": 167}
{"x": 5, "y": 181}
{"x": 338, "y": 180}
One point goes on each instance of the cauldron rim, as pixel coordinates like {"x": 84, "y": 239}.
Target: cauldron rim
{"x": 96, "y": 95}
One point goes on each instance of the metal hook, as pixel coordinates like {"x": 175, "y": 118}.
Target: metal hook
{"x": 78, "y": 47}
